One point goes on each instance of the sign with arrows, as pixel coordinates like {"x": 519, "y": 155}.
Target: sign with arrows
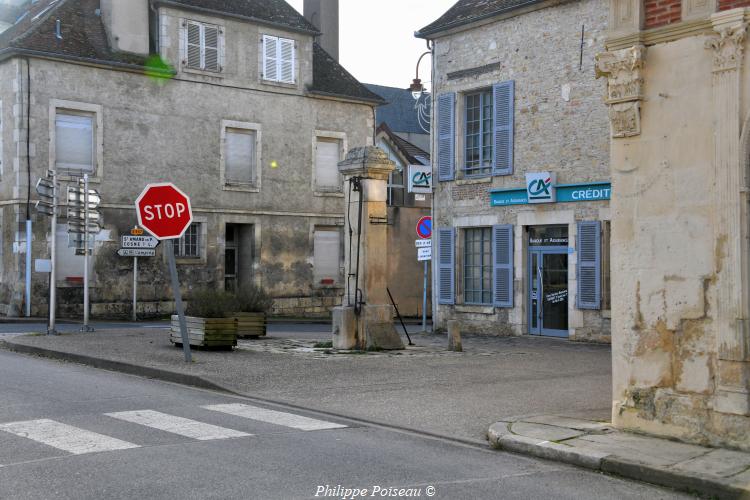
{"x": 136, "y": 252}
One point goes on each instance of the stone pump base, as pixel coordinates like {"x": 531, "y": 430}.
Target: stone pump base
{"x": 372, "y": 330}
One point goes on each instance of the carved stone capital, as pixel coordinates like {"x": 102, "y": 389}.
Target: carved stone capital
{"x": 623, "y": 70}
{"x": 728, "y": 46}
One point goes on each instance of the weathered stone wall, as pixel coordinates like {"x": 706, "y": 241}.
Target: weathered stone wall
{"x": 170, "y": 131}
{"x": 680, "y": 351}
{"x": 560, "y": 126}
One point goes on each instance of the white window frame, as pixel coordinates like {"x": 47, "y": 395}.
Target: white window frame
{"x": 81, "y": 108}
{"x": 331, "y": 135}
{"x": 201, "y": 259}
{"x": 262, "y": 58}
{"x": 254, "y": 187}
{"x": 184, "y": 47}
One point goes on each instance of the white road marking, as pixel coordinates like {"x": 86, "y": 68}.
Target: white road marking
{"x": 177, "y": 425}
{"x": 274, "y": 417}
{"x": 65, "y": 437}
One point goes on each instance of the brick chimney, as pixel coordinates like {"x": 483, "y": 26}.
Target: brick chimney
{"x": 126, "y": 22}
{"x": 324, "y": 15}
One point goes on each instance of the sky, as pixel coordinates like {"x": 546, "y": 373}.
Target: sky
{"x": 377, "y": 43}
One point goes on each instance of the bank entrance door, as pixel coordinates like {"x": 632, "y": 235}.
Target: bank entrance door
{"x": 548, "y": 281}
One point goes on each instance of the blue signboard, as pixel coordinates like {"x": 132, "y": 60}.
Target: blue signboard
{"x": 566, "y": 193}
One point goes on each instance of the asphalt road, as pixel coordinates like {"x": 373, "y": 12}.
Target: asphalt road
{"x": 68, "y": 431}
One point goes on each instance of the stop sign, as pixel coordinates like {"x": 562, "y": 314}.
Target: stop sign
{"x": 164, "y": 211}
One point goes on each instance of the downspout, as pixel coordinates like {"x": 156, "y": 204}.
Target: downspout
{"x": 433, "y": 295}
{"x": 29, "y": 232}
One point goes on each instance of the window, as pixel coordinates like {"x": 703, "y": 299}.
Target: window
{"x": 74, "y": 141}
{"x": 278, "y": 59}
{"x": 478, "y": 266}
{"x": 326, "y": 256}
{"x": 396, "y": 188}
{"x": 189, "y": 246}
{"x": 203, "y": 46}
{"x": 239, "y": 156}
{"x": 479, "y": 148}
{"x": 327, "y": 158}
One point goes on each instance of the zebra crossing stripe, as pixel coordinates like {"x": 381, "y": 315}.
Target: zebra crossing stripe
{"x": 177, "y": 425}
{"x": 65, "y": 437}
{"x": 274, "y": 417}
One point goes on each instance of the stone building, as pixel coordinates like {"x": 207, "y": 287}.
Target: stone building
{"x": 521, "y": 155}
{"x": 679, "y": 106}
{"x": 244, "y": 111}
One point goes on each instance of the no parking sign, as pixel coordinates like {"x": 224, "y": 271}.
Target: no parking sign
{"x": 424, "y": 228}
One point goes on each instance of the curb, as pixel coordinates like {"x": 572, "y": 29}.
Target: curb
{"x": 501, "y": 438}
{"x": 116, "y": 366}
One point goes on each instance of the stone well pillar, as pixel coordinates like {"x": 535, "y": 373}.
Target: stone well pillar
{"x": 365, "y": 319}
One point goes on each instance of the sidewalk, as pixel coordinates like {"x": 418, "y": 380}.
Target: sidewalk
{"x": 594, "y": 445}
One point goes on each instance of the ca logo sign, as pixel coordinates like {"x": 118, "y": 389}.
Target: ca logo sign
{"x": 421, "y": 179}
{"x": 540, "y": 187}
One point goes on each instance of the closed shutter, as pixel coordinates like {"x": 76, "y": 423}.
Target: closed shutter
{"x": 589, "y": 264}
{"x": 502, "y": 264}
{"x": 211, "y": 48}
{"x": 446, "y": 266}
{"x": 74, "y": 143}
{"x": 504, "y": 104}
{"x": 326, "y": 256}
{"x": 239, "y": 152}
{"x": 286, "y": 60}
{"x": 327, "y": 157}
{"x": 193, "y": 45}
{"x": 270, "y": 58}
{"x": 446, "y": 136}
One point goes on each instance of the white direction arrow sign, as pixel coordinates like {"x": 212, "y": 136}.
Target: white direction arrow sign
{"x": 139, "y": 242}
{"x": 136, "y": 252}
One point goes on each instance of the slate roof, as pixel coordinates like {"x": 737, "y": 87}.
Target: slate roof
{"x": 84, "y": 38}
{"x": 413, "y": 153}
{"x": 469, "y": 11}
{"x": 399, "y": 111}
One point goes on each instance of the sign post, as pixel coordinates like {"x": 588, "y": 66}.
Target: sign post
{"x": 164, "y": 211}
{"x": 424, "y": 231}
{"x": 46, "y": 188}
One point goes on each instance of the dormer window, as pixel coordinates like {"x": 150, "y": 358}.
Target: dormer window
{"x": 202, "y": 46}
{"x": 279, "y": 59}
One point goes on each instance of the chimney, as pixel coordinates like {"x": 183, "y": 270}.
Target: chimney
{"x": 126, "y": 22}
{"x": 324, "y": 15}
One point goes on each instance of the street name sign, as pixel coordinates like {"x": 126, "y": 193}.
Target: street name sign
{"x": 139, "y": 242}
{"x": 136, "y": 252}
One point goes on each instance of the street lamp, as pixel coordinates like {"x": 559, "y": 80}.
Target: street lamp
{"x": 416, "y": 87}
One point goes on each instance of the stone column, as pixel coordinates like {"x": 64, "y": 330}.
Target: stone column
{"x": 365, "y": 320}
{"x": 731, "y": 219}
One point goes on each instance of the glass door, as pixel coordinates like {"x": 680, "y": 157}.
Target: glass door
{"x": 548, "y": 292}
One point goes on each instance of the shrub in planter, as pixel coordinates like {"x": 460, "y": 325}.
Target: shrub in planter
{"x": 253, "y": 304}
{"x": 210, "y": 320}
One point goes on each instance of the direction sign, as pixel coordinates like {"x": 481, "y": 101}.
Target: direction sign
{"x": 424, "y": 254}
{"x": 77, "y": 196}
{"x": 136, "y": 252}
{"x": 44, "y": 207}
{"x": 45, "y": 188}
{"x": 139, "y": 242}
{"x": 164, "y": 211}
{"x": 423, "y": 243}
{"x": 424, "y": 227}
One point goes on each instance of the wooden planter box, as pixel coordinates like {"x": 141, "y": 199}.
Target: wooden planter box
{"x": 206, "y": 332}
{"x": 250, "y": 324}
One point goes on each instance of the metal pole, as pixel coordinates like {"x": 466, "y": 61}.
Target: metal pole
{"x": 28, "y": 267}
{"x": 424, "y": 300}
{"x": 85, "y": 327}
{"x": 178, "y": 301}
{"x": 135, "y": 288}
{"x": 53, "y": 251}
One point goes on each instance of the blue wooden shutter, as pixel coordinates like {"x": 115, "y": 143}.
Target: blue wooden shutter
{"x": 446, "y": 119}
{"x": 446, "y": 266}
{"x": 504, "y": 105}
{"x": 502, "y": 264}
{"x": 589, "y": 264}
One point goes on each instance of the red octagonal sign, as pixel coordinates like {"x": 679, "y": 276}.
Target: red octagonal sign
{"x": 164, "y": 211}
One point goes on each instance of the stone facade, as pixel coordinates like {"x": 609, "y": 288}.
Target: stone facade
{"x": 681, "y": 344}
{"x": 560, "y": 126}
{"x": 171, "y": 130}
